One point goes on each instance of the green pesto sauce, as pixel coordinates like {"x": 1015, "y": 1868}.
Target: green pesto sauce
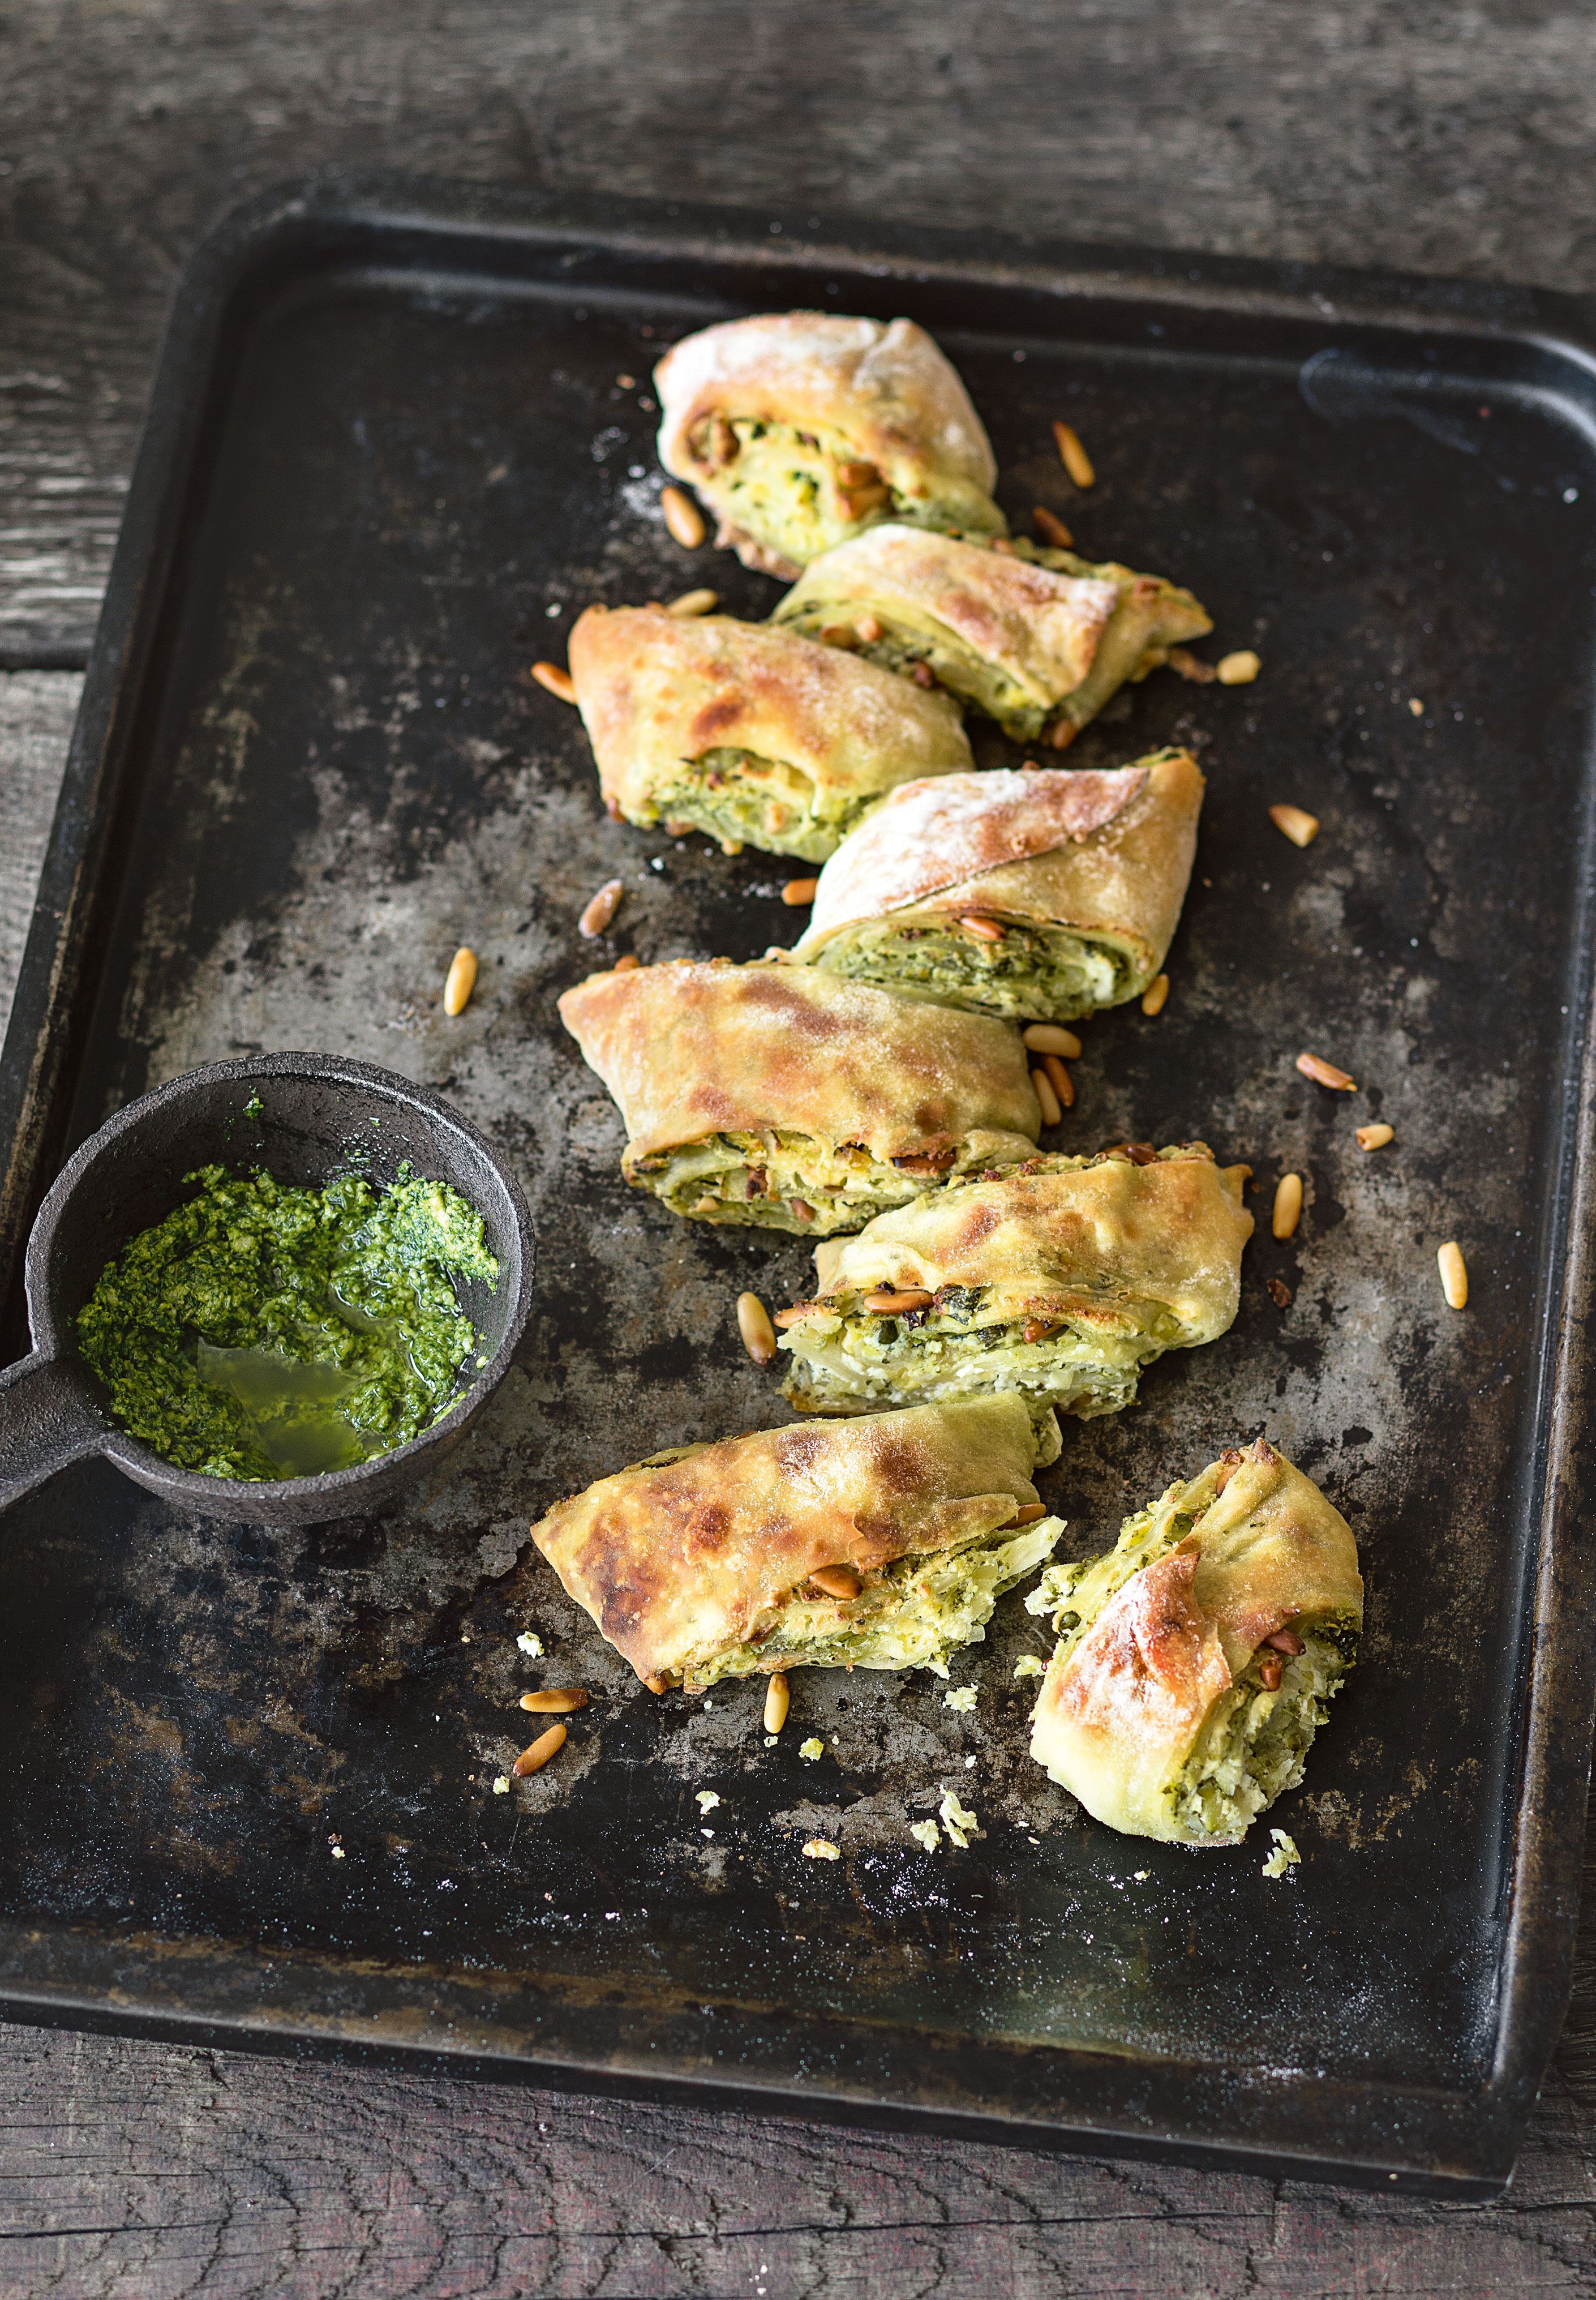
{"x": 263, "y": 1332}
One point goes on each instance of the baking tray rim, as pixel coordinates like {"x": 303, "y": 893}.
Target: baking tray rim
{"x": 1462, "y": 2143}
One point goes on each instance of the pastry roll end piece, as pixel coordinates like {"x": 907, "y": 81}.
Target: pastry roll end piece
{"x": 697, "y": 1564}
{"x": 1197, "y": 1659}
{"x": 1040, "y": 895}
{"x": 1058, "y": 1279}
{"x": 1034, "y": 638}
{"x": 776, "y": 1095}
{"x": 801, "y": 428}
{"x": 757, "y": 736}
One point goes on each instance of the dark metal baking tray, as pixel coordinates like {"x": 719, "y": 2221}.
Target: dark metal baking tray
{"x": 388, "y": 458}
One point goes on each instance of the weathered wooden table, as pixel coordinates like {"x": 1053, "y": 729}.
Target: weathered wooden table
{"x": 1365, "y": 131}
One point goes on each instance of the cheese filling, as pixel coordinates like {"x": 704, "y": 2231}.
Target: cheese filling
{"x": 1037, "y": 973}
{"x": 740, "y": 799}
{"x": 782, "y": 1181}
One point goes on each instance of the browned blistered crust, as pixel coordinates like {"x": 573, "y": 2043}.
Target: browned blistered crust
{"x": 690, "y": 1050}
{"x": 679, "y": 1558}
{"x": 657, "y": 690}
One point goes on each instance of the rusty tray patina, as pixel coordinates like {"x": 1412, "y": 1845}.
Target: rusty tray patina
{"x": 390, "y": 456}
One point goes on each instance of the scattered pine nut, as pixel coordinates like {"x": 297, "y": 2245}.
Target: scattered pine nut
{"x": 595, "y": 918}
{"x": 1051, "y": 529}
{"x": 1186, "y": 665}
{"x": 821, "y": 1848}
{"x": 987, "y": 929}
{"x": 840, "y": 1582}
{"x": 1454, "y": 1275}
{"x": 537, "y": 1755}
{"x": 1051, "y": 1112}
{"x": 461, "y": 982}
{"x": 556, "y": 1701}
{"x": 625, "y": 964}
{"x": 1063, "y": 1085}
{"x": 797, "y": 892}
{"x": 1052, "y": 1039}
{"x": 1237, "y": 670}
{"x": 1297, "y": 824}
{"x": 683, "y": 517}
{"x": 558, "y": 681}
{"x": 1324, "y": 1073}
{"x": 1156, "y": 995}
{"x": 753, "y": 1323}
{"x": 1416, "y": 706}
{"x": 1288, "y": 1206}
{"x": 1074, "y": 457}
{"x": 627, "y": 382}
{"x": 694, "y": 603}
{"x": 657, "y": 1684}
{"x": 779, "y": 1700}
{"x": 1375, "y": 1137}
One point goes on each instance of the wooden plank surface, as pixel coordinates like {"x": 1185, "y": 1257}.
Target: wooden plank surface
{"x": 1451, "y": 138}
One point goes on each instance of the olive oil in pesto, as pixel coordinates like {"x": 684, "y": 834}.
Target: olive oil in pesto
{"x": 265, "y": 1331}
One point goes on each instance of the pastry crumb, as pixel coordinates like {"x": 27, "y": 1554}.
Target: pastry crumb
{"x": 962, "y": 1696}
{"x": 957, "y": 1819}
{"x": 811, "y": 1749}
{"x": 1030, "y": 1665}
{"x": 926, "y": 1833}
{"x": 707, "y": 1799}
{"x": 1283, "y": 1857}
{"x": 531, "y": 1644}
{"x": 501, "y": 1785}
{"x": 821, "y": 1848}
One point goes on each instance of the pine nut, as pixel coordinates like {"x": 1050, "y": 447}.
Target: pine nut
{"x": 1375, "y": 1137}
{"x": 558, "y": 681}
{"x": 1237, "y": 670}
{"x": 694, "y": 603}
{"x": 1027, "y": 1513}
{"x": 461, "y": 982}
{"x": 797, "y": 892}
{"x": 1052, "y": 1039}
{"x": 537, "y": 1755}
{"x": 890, "y": 1302}
{"x": 838, "y": 1580}
{"x": 821, "y": 1848}
{"x": 1074, "y": 457}
{"x": 556, "y": 1701}
{"x": 1050, "y": 1111}
{"x": 988, "y": 929}
{"x": 625, "y": 964}
{"x": 1324, "y": 1073}
{"x": 779, "y": 1700}
{"x": 1288, "y": 1206}
{"x": 595, "y": 918}
{"x": 683, "y": 517}
{"x": 1155, "y": 998}
{"x": 802, "y": 1209}
{"x": 1271, "y": 1670}
{"x": 1063, "y": 1085}
{"x": 657, "y": 1684}
{"x": 867, "y": 630}
{"x": 1285, "y": 1641}
{"x": 1296, "y": 823}
{"x": 1051, "y": 528}
{"x": 753, "y": 1323}
{"x": 1454, "y": 1275}
{"x": 792, "y": 1317}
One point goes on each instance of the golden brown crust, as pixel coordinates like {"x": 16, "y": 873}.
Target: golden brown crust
{"x": 1073, "y": 1244}
{"x": 679, "y": 1559}
{"x": 886, "y": 390}
{"x": 690, "y": 1050}
{"x": 1039, "y": 627}
{"x": 928, "y": 857}
{"x": 657, "y": 690}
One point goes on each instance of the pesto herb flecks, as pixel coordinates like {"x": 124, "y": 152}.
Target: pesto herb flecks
{"x": 266, "y": 1331}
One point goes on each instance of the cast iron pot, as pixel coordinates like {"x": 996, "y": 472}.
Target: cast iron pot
{"x": 319, "y": 1116}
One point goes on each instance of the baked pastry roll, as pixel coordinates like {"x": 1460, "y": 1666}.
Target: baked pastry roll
{"x": 1197, "y": 1658}
{"x": 1040, "y": 895}
{"x": 1059, "y": 1281}
{"x": 699, "y": 1563}
{"x": 801, "y": 428}
{"x": 756, "y": 735}
{"x": 776, "y": 1095}
{"x": 1036, "y": 645}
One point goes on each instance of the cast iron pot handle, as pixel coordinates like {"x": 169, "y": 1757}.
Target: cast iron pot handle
{"x": 47, "y": 1420}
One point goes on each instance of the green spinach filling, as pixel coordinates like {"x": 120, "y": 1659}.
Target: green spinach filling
{"x": 741, "y": 799}
{"x": 264, "y": 1331}
{"x": 1151, "y": 617}
{"x": 974, "y": 678}
{"x": 1037, "y": 973}
{"x": 780, "y": 485}
{"x": 779, "y": 1181}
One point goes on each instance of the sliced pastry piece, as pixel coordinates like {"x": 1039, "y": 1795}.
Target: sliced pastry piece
{"x": 1033, "y": 645}
{"x": 1154, "y": 616}
{"x": 1059, "y": 1280}
{"x": 801, "y": 428}
{"x": 780, "y": 1096}
{"x": 1196, "y": 1659}
{"x": 868, "y": 1544}
{"x": 756, "y": 735}
{"x": 1040, "y": 895}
